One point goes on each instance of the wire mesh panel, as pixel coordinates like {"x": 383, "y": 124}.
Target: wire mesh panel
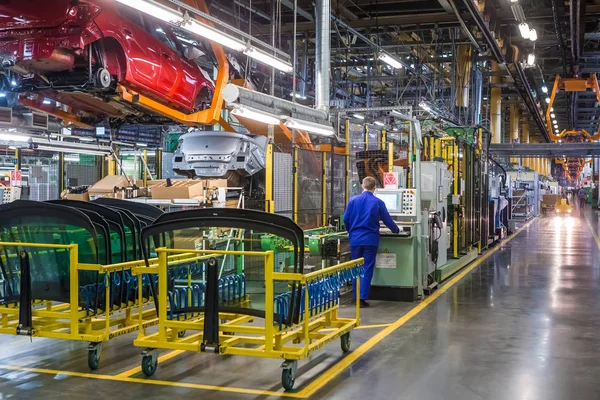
{"x": 310, "y": 189}
{"x": 81, "y": 169}
{"x": 41, "y": 176}
{"x": 283, "y": 180}
{"x": 337, "y": 185}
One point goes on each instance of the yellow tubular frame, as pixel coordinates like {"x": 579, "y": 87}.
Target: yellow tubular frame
{"x": 68, "y": 321}
{"x": 268, "y": 340}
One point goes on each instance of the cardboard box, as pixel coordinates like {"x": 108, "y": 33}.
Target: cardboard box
{"x": 106, "y": 186}
{"x": 79, "y": 197}
{"x": 180, "y": 189}
{"x": 551, "y": 199}
{"x": 188, "y": 242}
{"x": 213, "y": 183}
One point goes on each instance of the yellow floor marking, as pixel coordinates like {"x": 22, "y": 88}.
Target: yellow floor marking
{"x": 257, "y": 392}
{"x": 315, "y": 385}
{"x": 334, "y": 371}
{"x": 592, "y": 230}
{"x": 373, "y": 326}
{"x": 162, "y": 358}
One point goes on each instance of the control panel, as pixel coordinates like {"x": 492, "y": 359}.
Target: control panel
{"x": 399, "y": 202}
{"x": 409, "y": 203}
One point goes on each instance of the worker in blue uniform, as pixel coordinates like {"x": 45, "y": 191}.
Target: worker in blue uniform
{"x": 362, "y": 218}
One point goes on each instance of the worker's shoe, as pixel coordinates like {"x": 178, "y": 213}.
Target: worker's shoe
{"x": 364, "y": 304}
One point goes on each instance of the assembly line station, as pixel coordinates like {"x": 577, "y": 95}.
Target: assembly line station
{"x": 175, "y": 181}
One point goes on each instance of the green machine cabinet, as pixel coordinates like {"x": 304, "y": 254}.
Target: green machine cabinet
{"x": 395, "y": 275}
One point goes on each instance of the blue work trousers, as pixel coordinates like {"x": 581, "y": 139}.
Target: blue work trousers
{"x": 369, "y": 253}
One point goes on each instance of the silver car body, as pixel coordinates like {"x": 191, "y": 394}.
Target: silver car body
{"x": 209, "y": 154}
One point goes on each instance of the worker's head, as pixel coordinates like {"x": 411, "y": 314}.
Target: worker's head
{"x": 369, "y": 184}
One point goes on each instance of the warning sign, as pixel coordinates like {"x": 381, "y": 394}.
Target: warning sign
{"x": 390, "y": 180}
{"x": 16, "y": 177}
{"x": 385, "y": 260}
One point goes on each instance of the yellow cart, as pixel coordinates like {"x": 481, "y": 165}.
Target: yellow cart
{"x": 71, "y": 320}
{"x": 244, "y": 331}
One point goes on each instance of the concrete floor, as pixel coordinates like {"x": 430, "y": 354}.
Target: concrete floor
{"x": 522, "y": 324}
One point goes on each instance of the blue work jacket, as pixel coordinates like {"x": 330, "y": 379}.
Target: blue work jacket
{"x": 362, "y": 218}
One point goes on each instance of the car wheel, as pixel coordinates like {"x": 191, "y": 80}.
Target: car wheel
{"x": 103, "y": 78}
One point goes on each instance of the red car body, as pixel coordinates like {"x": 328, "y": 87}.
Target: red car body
{"x": 57, "y": 46}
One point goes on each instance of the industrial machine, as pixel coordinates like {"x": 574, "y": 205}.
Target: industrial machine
{"x": 397, "y": 270}
{"x": 435, "y": 187}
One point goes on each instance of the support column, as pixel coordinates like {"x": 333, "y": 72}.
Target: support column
{"x": 514, "y": 128}
{"x": 496, "y": 106}
{"x": 525, "y": 139}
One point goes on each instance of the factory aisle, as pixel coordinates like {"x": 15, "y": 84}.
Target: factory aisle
{"x": 523, "y": 325}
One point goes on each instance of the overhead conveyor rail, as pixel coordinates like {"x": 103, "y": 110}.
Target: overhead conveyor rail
{"x": 551, "y": 150}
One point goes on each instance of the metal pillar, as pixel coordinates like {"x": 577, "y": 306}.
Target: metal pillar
{"x": 496, "y": 106}
{"x": 514, "y": 127}
{"x": 269, "y": 206}
{"x": 525, "y": 139}
{"x": 61, "y": 171}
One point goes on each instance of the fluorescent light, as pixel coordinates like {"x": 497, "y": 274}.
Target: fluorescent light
{"x": 379, "y": 123}
{"x": 298, "y": 96}
{"x": 359, "y": 116}
{"x": 554, "y": 122}
{"x": 514, "y": 1}
{"x": 46, "y": 101}
{"x": 268, "y": 59}
{"x": 533, "y": 35}
{"x": 391, "y": 61}
{"x": 319, "y": 129}
{"x": 11, "y": 137}
{"x": 545, "y": 89}
{"x": 86, "y": 139}
{"x": 559, "y": 141}
{"x": 74, "y": 150}
{"x": 551, "y": 108}
{"x": 256, "y": 115}
{"x": 2, "y": 94}
{"x": 12, "y": 147}
{"x": 548, "y": 100}
{"x": 530, "y": 59}
{"x": 141, "y": 144}
{"x": 162, "y": 13}
{"x": 13, "y": 82}
{"x": 525, "y": 31}
{"x": 552, "y": 116}
{"x": 215, "y": 35}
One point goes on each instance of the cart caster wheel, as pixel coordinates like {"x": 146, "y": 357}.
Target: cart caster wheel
{"x": 149, "y": 367}
{"x": 345, "y": 342}
{"x": 288, "y": 378}
{"x": 181, "y": 334}
{"x": 93, "y": 359}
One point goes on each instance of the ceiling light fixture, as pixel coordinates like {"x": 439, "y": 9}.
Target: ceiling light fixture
{"x": 524, "y": 29}
{"x": 548, "y": 100}
{"x": 388, "y": 59}
{"x": 268, "y": 59}
{"x": 379, "y": 123}
{"x": 533, "y": 35}
{"x": 312, "y": 127}
{"x": 359, "y": 116}
{"x": 11, "y": 137}
{"x": 552, "y": 116}
{"x": 530, "y": 59}
{"x": 256, "y": 115}
{"x": 545, "y": 89}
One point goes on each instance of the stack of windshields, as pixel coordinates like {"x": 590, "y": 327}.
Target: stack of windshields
{"x": 30, "y": 222}
{"x": 231, "y": 230}
{"x": 122, "y": 221}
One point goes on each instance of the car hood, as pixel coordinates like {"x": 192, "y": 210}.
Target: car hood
{"x": 23, "y": 14}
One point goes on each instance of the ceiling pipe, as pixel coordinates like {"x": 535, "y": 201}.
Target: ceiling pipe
{"x": 323, "y": 54}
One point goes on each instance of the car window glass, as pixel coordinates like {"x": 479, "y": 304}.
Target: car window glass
{"x": 160, "y": 33}
{"x": 131, "y": 14}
